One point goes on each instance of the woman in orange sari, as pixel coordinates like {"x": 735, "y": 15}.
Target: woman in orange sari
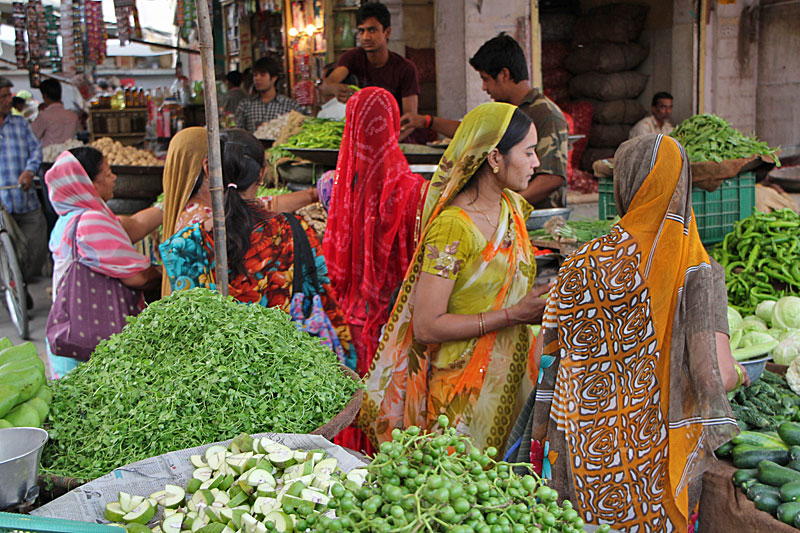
{"x": 631, "y": 403}
{"x": 458, "y": 339}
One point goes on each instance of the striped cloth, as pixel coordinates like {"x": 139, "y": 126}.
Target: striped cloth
{"x": 103, "y": 244}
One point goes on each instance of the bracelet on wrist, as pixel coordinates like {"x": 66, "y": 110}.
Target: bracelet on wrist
{"x": 740, "y": 375}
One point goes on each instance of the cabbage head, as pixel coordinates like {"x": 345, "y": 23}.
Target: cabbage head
{"x": 734, "y": 319}
{"x": 793, "y": 376}
{"x": 753, "y": 323}
{"x": 764, "y": 311}
{"x": 786, "y": 313}
{"x": 788, "y": 348}
{"x": 754, "y": 338}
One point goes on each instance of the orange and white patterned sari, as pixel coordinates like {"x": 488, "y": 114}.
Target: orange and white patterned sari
{"x": 479, "y": 383}
{"x": 630, "y": 404}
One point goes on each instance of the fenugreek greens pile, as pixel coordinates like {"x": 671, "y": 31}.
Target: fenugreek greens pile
{"x": 192, "y": 368}
{"x": 708, "y": 137}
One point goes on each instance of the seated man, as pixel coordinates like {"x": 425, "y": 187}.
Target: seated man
{"x": 659, "y": 121}
{"x": 54, "y": 125}
{"x": 267, "y": 104}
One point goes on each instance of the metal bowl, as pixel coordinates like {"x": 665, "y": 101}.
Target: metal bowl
{"x": 755, "y": 367}
{"x": 540, "y": 216}
{"x": 20, "y": 452}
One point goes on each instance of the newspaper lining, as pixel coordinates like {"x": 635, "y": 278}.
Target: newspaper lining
{"x": 87, "y": 503}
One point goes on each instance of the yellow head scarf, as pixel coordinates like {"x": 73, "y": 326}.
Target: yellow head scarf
{"x": 185, "y": 156}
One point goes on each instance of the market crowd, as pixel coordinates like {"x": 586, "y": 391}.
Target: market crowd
{"x": 426, "y": 287}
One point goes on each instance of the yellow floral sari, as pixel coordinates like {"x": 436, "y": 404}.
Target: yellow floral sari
{"x": 479, "y": 383}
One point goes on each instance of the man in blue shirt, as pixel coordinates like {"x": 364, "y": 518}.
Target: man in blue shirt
{"x": 20, "y": 156}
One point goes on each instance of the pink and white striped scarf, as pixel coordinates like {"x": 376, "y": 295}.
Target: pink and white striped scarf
{"x": 102, "y": 243}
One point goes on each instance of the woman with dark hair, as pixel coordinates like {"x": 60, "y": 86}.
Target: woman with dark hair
{"x": 260, "y": 244}
{"x": 458, "y": 339}
{"x": 187, "y": 199}
{"x": 79, "y": 185}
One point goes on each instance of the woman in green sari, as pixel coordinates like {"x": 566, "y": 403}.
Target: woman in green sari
{"x": 458, "y": 340}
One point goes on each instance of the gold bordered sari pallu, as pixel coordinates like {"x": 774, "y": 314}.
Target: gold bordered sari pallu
{"x": 478, "y": 383}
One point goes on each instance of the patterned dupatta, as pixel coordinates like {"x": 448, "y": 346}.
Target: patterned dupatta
{"x": 408, "y": 383}
{"x": 630, "y": 404}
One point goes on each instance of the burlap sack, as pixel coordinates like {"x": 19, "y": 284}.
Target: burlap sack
{"x": 605, "y": 57}
{"x": 607, "y": 87}
{"x": 709, "y": 175}
{"x": 617, "y": 23}
{"x": 617, "y": 111}
{"x": 608, "y": 135}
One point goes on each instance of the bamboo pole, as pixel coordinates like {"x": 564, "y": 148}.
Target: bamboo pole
{"x": 214, "y": 155}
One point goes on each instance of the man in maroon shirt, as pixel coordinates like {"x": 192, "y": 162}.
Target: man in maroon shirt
{"x": 374, "y": 65}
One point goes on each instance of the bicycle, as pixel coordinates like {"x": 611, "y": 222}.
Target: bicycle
{"x": 11, "y": 280}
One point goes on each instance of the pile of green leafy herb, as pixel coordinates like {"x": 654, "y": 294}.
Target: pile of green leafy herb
{"x": 570, "y": 231}
{"x": 263, "y": 191}
{"x": 708, "y": 137}
{"x": 192, "y": 368}
{"x": 317, "y": 133}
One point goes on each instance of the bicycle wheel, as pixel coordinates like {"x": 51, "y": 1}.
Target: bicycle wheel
{"x": 14, "y": 285}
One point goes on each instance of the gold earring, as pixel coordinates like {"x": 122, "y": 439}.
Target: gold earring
{"x": 496, "y": 170}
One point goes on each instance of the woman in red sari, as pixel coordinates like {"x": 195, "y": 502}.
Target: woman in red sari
{"x": 373, "y": 217}
{"x": 373, "y": 224}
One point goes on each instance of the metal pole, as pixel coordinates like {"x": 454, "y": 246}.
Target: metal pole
{"x": 214, "y": 155}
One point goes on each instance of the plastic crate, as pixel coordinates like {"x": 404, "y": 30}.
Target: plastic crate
{"x": 716, "y": 212}
{"x": 19, "y": 523}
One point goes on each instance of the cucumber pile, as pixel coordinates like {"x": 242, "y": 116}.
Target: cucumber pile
{"x": 769, "y": 470}
{"x": 24, "y": 395}
{"x": 191, "y": 368}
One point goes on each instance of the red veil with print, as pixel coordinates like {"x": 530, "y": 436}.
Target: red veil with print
{"x": 372, "y": 220}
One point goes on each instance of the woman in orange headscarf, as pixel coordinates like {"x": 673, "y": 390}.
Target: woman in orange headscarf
{"x": 630, "y": 403}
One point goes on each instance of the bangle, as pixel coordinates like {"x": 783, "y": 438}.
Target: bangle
{"x": 312, "y": 194}
{"x": 481, "y": 325}
{"x": 738, "y": 373}
{"x": 428, "y": 121}
{"x": 508, "y": 320}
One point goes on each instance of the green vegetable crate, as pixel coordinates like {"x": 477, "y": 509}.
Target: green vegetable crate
{"x": 716, "y": 212}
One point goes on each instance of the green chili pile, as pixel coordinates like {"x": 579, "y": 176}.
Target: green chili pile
{"x": 761, "y": 257}
{"x": 317, "y": 133}
{"x": 708, "y": 137}
{"x": 192, "y": 368}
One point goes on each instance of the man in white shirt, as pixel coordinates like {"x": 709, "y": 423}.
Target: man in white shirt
{"x": 54, "y": 125}
{"x": 659, "y": 121}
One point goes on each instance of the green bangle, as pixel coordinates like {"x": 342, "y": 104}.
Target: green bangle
{"x": 741, "y": 376}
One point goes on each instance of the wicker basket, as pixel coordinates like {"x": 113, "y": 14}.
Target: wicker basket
{"x": 348, "y": 414}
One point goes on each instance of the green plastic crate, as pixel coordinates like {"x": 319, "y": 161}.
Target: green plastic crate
{"x": 716, "y": 212}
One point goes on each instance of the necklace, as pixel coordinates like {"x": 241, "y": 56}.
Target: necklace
{"x": 482, "y": 212}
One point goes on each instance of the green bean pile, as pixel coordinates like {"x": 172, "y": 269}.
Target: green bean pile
{"x": 192, "y": 368}
{"x": 708, "y": 137}
{"x": 761, "y": 257}
{"x": 317, "y": 133}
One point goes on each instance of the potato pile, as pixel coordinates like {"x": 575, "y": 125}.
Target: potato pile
{"x": 119, "y": 154}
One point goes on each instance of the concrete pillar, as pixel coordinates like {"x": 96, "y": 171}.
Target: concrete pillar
{"x": 731, "y": 73}
{"x": 462, "y": 26}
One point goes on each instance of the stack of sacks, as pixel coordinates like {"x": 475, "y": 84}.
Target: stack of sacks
{"x": 603, "y": 56}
